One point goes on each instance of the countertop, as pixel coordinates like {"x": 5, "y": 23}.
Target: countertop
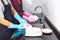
{"x": 43, "y": 37}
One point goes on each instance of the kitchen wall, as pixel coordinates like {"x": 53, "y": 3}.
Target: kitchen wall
{"x": 52, "y": 11}
{"x": 30, "y": 5}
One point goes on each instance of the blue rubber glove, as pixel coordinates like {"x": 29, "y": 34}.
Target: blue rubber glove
{"x": 16, "y": 26}
{"x": 18, "y": 33}
{"x": 17, "y": 17}
{"x": 24, "y": 21}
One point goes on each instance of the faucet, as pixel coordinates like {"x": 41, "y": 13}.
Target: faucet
{"x": 42, "y": 15}
{"x": 37, "y": 7}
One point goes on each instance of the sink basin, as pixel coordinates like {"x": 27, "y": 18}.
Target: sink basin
{"x": 38, "y": 25}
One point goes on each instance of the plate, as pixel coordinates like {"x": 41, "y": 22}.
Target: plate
{"x": 46, "y": 31}
{"x": 33, "y": 31}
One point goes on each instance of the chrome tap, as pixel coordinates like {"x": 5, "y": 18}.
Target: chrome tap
{"x": 37, "y": 7}
{"x": 41, "y": 19}
{"x": 40, "y": 14}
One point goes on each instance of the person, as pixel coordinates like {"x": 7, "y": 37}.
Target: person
{"x": 22, "y": 21}
{"x": 5, "y": 24}
{"x": 17, "y": 4}
{"x": 4, "y": 31}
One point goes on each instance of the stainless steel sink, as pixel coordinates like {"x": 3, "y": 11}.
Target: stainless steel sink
{"x": 41, "y": 17}
{"x": 38, "y": 25}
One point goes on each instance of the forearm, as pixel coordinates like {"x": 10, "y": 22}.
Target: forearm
{"x": 13, "y": 10}
{"x": 4, "y": 22}
{"x": 16, "y": 15}
{"x": 9, "y": 24}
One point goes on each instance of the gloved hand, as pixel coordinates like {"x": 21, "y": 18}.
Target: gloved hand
{"x": 18, "y": 33}
{"x": 16, "y": 26}
{"x": 22, "y": 21}
{"x": 34, "y": 17}
{"x": 27, "y": 13}
{"x": 16, "y": 16}
{"x": 29, "y": 17}
{"x": 21, "y": 29}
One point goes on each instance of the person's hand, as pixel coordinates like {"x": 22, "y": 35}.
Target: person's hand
{"x": 27, "y": 26}
{"x": 20, "y": 26}
{"x": 24, "y": 26}
{"x": 34, "y": 17}
{"x": 23, "y": 21}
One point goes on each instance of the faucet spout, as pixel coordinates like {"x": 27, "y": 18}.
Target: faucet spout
{"x": 37, "y": 7}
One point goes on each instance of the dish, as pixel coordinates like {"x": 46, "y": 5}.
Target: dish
{"x": 47, "y": 31}
{"x": 33, "y": 31}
